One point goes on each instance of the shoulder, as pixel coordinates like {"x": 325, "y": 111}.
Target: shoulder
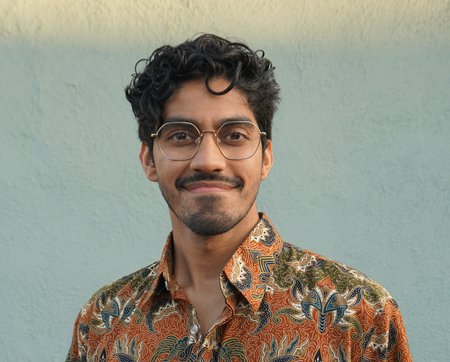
{"x": 316, "y": 272}
{"x": 117, "y": 299}
{"x": 111, "y": 304}
{"x": 332, "y": 295}
{"x": 134, "y": 283}
{"x": 338, "y": 301}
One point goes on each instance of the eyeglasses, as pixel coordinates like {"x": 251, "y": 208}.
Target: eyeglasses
{"x": 180, "y": 141}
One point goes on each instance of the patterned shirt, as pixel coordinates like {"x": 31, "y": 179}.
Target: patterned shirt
{"x": 282, "y": 304}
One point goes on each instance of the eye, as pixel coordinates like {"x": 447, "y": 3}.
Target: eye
{"x": 180, "y": 136}
{"x": 234, "y": 134}
{"x": 176, "y": 134}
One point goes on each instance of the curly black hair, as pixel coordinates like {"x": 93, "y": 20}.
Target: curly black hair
{"x": 204, "y": 57}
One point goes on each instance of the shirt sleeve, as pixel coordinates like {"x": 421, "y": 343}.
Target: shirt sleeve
{"x": 77, "y": 351}
{"x": 386, "y": 340}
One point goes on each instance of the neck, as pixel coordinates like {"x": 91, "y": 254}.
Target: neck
{"x": 199, "y": 260}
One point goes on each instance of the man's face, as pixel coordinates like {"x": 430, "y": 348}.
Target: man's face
{"x": 209, "y": 193}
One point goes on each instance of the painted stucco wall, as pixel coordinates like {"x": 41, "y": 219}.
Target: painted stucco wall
{"x": 362, "y": 145}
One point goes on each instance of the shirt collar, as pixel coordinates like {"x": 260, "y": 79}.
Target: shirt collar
{"x": 250, "y": 266}
{"x": 248, "y": 269}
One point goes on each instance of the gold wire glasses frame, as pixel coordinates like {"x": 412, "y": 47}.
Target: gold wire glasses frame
{"x": 236, "y": 140}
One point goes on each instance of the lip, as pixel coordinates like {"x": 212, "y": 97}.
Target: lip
{"x": 208, "y": 186}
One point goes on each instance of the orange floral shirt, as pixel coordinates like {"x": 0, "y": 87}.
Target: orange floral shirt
{"x": 282, "y": 304}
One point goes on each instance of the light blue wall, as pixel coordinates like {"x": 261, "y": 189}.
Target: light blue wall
{"x": 362, "y": 142}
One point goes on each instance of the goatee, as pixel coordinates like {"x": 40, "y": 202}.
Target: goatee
{"x": 207, "y": 221}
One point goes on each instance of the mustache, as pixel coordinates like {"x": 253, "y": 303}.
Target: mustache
{"x": 184, "y": 181}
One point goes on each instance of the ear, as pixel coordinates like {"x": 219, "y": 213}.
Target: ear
{"x": 267, "y": 161}
{"x": 148, "y": 163}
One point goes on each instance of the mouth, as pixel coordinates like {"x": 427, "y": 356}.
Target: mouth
{"x": 203, "y": 183}
{"x": 208, "y": 186}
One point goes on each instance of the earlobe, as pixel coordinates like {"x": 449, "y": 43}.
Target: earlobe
{"x": 148, "y": 165}
{"x": 267, "y": 160}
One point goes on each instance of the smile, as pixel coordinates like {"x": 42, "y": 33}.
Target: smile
{"x": 208, "y": 186}
{"x": 204, "y": 182}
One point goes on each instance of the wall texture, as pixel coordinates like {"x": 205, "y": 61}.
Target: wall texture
{"x": 362, "y": 141}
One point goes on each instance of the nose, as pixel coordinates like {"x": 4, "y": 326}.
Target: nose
{"x": 208, "y": 157}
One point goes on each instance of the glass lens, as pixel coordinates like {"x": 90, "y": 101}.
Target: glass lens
{"x": 177, "y": 141}
{"x": 238, "y": 140}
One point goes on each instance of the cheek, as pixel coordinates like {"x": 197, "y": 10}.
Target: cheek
{"x": 164, "y": 177}
{"x": 167, "y": 172}
{"x": 253, "y": 172}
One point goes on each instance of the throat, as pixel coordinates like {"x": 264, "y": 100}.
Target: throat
{"x": 208, "y": 303}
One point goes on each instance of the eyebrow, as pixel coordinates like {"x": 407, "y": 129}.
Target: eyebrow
{"x": 195, "y": 122}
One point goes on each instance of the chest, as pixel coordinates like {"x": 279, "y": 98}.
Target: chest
{"x": 169, "y": 330}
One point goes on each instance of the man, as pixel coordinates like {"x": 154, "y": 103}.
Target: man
{"x": 227, "y": 288}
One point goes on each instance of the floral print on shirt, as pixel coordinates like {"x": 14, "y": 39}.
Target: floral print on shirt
{"x": 282, "y": 304}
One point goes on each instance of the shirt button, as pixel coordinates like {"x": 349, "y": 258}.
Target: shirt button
{"x": 194, "y": 329}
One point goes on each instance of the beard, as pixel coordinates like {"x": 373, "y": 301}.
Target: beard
{"x": 207, "y": 219}
{"x": 206, "y": 215}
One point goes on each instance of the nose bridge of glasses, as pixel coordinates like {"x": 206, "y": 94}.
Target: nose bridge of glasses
{"x": 208, "y": 151}
{"x": 200, "y": 136}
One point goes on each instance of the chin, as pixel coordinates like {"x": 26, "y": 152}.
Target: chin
{"x": 210, "y": 224}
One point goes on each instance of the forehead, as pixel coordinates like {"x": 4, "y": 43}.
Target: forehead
{"x": 193, "y": 102}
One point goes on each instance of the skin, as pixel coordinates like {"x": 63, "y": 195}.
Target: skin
{"x": 200, "y": 259}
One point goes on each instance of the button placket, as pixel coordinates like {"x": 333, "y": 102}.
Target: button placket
{"x": 194, "y": 332}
